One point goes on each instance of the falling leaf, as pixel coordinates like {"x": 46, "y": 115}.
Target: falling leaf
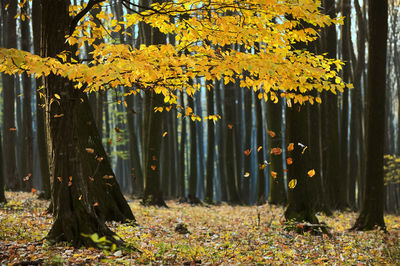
{"x": 26, "y": 178}
{"x": 274, "y": 174}
{"x": 230, "y": 126}
{"x": 311, "y": 173}
{"x": 118, "y": 139}
{"x": 247, "y": 152}
{"x": 57, "y": 116}
{"x": 153, "y": 167}
{"x": 108, "y": 176}
{"x": 59, "y": 178}
{"x": 259, "y": 148}
{"x": 247, "y": 174}
{"x": 99, "y": 159}
{"x": 13, "y": 129}
{"x": 70, "y": 181}
{"x": 304, "y": 149}
{"x": 33, "y": 190}
{"x": 262, "y": 166}
{"x": 57, "y": 96}
{"x": 284, "y": 170}
{"x": 117, "y": 130}
{"x": 110, "y": 141}
{"x": 292, "y": 183}
{"x": 164, "y": 134}
{"x": 289, "y": 161}
{"x": 276, "y": 151}
{"x": 267, "y": 163}
{"x": 290, "y": 147}
{"x": 80, "y": 197}
{"x": 91, "y": 178}
{"x": 271, "y": 133}
{"x": 95, "y": 204}
{"x": 89, "y": 150}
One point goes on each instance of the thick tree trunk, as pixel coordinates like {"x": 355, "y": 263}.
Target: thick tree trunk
{"x": 9, "y": 127}
{"x": 277, "y": 193}
{"x": 220, "y": 143}
{"x": 84, "y": 191}
{"x": 371, "y": 214}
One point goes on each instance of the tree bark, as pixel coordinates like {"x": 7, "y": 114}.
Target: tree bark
{"x": 371, "y": 214}
{"x": 85, "y": 193}
{"x": 40, "y": 123}
{"x": 210, "y": 146}
{"x": 9, "y": 127}
{"x": 27, "y": 132}
{"x": 277, "y": 193}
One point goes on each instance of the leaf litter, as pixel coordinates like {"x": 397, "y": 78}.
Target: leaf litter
{"x": 206, "y": 234}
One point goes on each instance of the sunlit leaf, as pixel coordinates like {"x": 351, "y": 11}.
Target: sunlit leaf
{"x": 292, "y": 183}
{"x": 311, "y": 173}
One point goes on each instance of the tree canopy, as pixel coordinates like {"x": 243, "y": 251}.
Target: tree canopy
{"x": 207, "y": 36}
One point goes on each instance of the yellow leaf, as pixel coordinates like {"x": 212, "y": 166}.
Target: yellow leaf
{"x": 57, "y": 96}
{"x": 247, "y": 174}
{"x": 259, "y": 148}
{"x": 311, "y": 173}
{"x": 292, "y": 183}
{"x": 89, "y": 150}
{"x": 165, "y": 133}
{"x": 274, "y": 174}
{"x": 290, "y": 146}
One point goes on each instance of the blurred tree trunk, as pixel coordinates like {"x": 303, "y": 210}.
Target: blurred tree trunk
{"x": 247, "y": 145}
{"x": 40, "y": 127}
{"x": 371, "y": 214}
{"x": 220, "y": 130}
{"x": 2, "y": 44}
{"x": 9, "y": 127}
{"x": 27, "y": 132}
{"x": 337, "y": 195}
{"x": 261, "y": 180}
{"x": 182, "y": 154}
{"x": 230, "y": 144}
{"x": 277, "y": 193}
{"x": 193, "y": 156}
{"x": 210, "y": 145}
{"x": 153, "y": 194}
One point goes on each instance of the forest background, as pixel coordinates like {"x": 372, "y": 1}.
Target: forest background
{"x": 211, "y": 140}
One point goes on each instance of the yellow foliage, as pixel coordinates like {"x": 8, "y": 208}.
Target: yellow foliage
{"x": 207, "y": 34}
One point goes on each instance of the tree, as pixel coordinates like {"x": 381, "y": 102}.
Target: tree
{"x": 27, "y": 131}
{"x": 84, "y": 191}
{"x": 162, "y": 71}
{"x": 210, "y": 148}
{"x": 371, "y": 214}
{"x": 9, "y": 128}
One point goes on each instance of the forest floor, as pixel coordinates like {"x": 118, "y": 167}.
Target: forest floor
{"x": 218, "y": 235}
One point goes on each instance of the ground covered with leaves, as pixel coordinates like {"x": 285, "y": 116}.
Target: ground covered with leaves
{"x": 184, "y": 234}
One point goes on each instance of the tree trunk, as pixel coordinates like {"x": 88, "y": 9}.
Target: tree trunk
{"x": 192, "y": 196}
{"x": 300, "y": 198}
{"x": 84, "y": 191}
{"x": 248, "y": 114}
{"x": 210, "y": 146}
{"x": 229, "y": 151}
{"x": 371, "y": 214}
{"x": 261, "y": 181}
{"x": 277, "y": 193}
{"x": 9, "y": 128}
{"x": 40, "y": 123}
{"x": 152, "y": 190}
{"x": 27, "y": 132}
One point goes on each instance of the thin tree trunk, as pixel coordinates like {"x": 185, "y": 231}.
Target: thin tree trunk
{"x": 27, "y": 132}
{"x": 210, "y": 146}
{"x": 40, "y": 123}
{"x": 261, "y": 180}
{"x": 9, "y": 128}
